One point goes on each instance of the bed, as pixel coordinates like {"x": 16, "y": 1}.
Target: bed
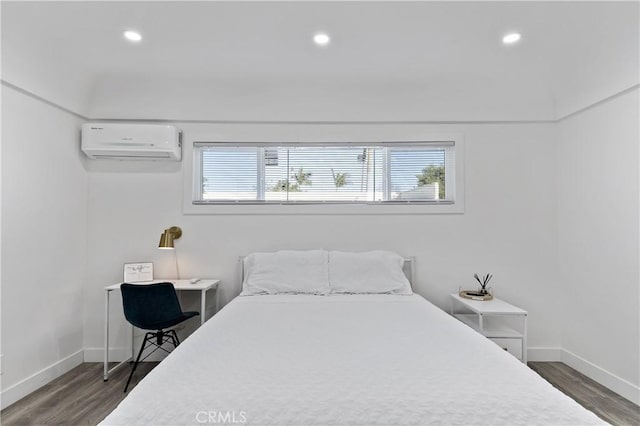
{"x": 342, "y": 359}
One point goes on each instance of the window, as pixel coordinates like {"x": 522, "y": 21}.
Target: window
{"x": 376, "y": 173}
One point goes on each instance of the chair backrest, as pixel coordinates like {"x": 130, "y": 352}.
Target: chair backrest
{"x": 147, "y": 305}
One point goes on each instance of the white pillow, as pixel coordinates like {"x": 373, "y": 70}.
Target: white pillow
{"x": 286, "y": 271}
{"x": 367, "y": 272}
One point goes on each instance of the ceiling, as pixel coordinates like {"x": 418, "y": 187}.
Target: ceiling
{"x": 387, "y": 60}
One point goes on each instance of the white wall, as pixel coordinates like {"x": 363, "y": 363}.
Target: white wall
{"x": 44, "y": 217}
{"x": 508, "y": 227}
{"x": 598, "y": 239}
{"x": 444, "y": 97}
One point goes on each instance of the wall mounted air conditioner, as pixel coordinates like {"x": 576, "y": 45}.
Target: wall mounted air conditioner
{"x": 131, "y": 141}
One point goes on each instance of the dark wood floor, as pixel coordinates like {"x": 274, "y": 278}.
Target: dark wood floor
{"x": 80, "y": 397}
{"x": 593, "y": 396}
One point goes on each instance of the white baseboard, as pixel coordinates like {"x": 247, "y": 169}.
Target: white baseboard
{"x": 617, "y": 384}
{"x": 544, "y": 354}
{"x": 24, "y": 387}
{"x": 607, "y": 379}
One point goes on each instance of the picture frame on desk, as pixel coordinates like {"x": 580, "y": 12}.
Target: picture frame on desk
{"x": 137, "y": 272}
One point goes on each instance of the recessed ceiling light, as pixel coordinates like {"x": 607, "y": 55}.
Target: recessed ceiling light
{"x": 132, "y": 36}
{"x": 321, "y": 39}
{"x": 511, "y": 38}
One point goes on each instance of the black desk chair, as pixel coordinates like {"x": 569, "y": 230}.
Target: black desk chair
{"x": 153, "y": 307}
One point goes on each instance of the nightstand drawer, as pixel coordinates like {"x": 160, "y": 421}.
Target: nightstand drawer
{"x": 513, "y": 346}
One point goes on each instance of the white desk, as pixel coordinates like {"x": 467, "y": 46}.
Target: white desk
{"x": 203, "y": 286}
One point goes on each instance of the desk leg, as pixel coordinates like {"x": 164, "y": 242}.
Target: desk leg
{"x": 107, "y": 371}
{"x": 524, "y": 340}
{"x": 105, "y": 376}
{"x": 203, "y": 306}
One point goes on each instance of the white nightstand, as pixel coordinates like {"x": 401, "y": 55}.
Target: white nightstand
{"x": 499, "y": 321}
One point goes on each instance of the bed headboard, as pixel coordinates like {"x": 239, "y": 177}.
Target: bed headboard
{"x": 408, "y": 268}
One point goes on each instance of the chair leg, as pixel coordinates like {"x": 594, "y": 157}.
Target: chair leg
{"x": 135, "y": 364}
{"x": 176, "y": 337}
{"x": 173, "y": 340}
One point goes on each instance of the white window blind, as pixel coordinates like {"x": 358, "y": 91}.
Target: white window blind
{"x": 229, "y": 173}
{"x": 416, "y": 172}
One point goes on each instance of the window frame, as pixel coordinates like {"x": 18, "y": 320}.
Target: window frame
{"x": 454, "y": 178}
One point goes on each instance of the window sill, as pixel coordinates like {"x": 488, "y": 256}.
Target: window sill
{"x": 324, "y": 209}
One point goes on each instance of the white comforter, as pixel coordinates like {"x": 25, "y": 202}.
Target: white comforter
{"x": 342, "y": 360}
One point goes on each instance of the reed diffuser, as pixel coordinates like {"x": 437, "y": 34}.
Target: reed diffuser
{"x": 483, "y": 283}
